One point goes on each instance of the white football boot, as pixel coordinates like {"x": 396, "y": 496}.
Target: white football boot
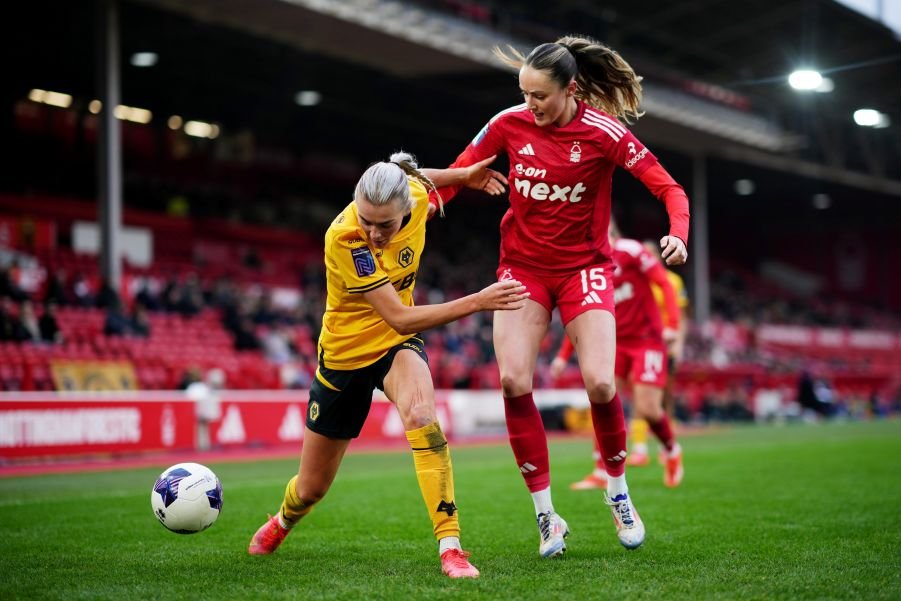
{"x": 629, "y": 527}
{"x": 553, "y": 530}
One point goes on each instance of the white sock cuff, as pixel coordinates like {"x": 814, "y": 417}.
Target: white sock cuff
{"x": 542, "y": 500}
{"x": 616, "y": 485}
{"x": 448, "y": 542}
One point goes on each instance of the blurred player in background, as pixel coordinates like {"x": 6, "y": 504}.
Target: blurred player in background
{"x": 676, "y": 350}
{"x": 641, "y": 347}
{"x": 369, "y": 340}
{"x": 563, "y": 143}
{"x": 638, "y": 428}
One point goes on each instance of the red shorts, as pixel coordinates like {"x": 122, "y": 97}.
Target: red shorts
{"x": 573, "y": 293}
{"x": 641, "y": 362}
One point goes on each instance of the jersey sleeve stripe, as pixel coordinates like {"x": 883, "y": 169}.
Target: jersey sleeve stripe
{"x": 616, "y": 125}
{"x": 512, "y": 109}
{"x": 616, "y": 137}
{"x": 368, "y": 287}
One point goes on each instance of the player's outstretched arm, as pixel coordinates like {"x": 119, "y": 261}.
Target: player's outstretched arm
{"x": 476, "y": 176}
{"x": 499, "y": 296}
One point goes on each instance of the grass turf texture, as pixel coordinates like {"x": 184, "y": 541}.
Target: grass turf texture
{"x": 796, "y": 512}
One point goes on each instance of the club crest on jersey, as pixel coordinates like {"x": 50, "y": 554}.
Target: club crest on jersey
{"x": 405, "y": 256}
{"x": 575, "y": 153}
{"x": 363, "y": 261}
{"x": 506, "y": 276}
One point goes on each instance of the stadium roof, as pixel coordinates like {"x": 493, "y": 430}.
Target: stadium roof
{"x": 715, "y": 72}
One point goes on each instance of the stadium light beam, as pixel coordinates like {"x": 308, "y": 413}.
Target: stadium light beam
{"x": 805, "y": 80}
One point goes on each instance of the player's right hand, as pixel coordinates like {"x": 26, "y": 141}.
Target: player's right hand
{"x": 479, "y": 177}
{"x": 503, "y": 296}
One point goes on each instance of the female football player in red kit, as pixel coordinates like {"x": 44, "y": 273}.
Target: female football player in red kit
{"x": 563, "y": 143}
{"x": 642, "y": 339}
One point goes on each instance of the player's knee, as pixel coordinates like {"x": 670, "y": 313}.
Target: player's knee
{"x": 515, "y": 384}
{"x": 650, "y": 411}
{"x": 419, "y": 417}
{"x": 600, "y": 389}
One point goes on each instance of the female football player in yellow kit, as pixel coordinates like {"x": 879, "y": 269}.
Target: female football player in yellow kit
{"x": 370, "y": 340}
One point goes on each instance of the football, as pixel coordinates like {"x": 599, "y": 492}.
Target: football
{"x": 187, "y": 498}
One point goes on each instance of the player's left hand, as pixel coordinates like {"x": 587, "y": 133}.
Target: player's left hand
{"x": 673, "y": 250}
{"x": 479, "y": 177}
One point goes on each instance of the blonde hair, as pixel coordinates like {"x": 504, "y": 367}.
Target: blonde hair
{"x": 603, "y": 79}
{"x": 383, "y": 183}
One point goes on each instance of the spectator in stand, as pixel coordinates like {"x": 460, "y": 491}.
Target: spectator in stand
{"x": 146, "y": 298}
{"x": 48, "y": 324}
{"x": 116, "y": 322}
{"x": 9, "y": 287}
{"x": 170, "y": 298}
{"x": 372, "y": 253}
{"x": 82, "y": 291}
{"x": 564, "y": 143}
{"x": 265, "y": 314}
{"x": 245, "y": 337}
{"x": 190, "y": 301}
{"x": 56, "y": 289}
{"x": 140, "y": 322}
{"x": 107, "y": 296}
{"x": 27, "y": 328}
{"x": 7, "y": 321}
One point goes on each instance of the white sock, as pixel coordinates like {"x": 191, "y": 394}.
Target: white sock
{"x": 542, "y": 500}
{"x": 616, "y": 485}
{"x": 599, "y": 472}
{"x": 448, "y": 542}
{"x": 640, "y": 448}
{"x": 675, "y": 450}
{"x": 281, "y": 522}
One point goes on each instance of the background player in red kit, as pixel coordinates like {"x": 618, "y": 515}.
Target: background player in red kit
{"x": 641, "y": 348}
{"x": 563, "y": 143}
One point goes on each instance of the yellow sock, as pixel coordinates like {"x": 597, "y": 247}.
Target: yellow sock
{"x": 292, "y": 508}
{"x": 638, "y": 432}
{"x": 431, "y": 457}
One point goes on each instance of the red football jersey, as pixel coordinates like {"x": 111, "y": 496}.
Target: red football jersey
{"x": 560, "y": 183}
{"x": 637, "y": 313}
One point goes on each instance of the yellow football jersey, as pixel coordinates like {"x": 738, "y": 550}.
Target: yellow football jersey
{"x": 353, "y": 334}
{"x": 681, "y": 296}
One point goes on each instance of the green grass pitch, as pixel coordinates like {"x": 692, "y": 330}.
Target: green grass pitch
{"x": 792, "y": 512}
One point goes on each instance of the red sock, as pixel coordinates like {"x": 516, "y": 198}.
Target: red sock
{"x": 528, "y": 441}
{"x": 663, "y": 431}
{"x": 610, "y": 434}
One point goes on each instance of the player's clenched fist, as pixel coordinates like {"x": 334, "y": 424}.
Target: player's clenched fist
{"x": 673, "y": 250}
